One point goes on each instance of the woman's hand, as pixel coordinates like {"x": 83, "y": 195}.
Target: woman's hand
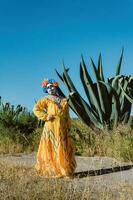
{"x": 66, "y": 101}
{"x": 50, "y": 117}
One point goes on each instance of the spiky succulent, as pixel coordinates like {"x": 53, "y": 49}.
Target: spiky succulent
{"x": 109, "y": 102}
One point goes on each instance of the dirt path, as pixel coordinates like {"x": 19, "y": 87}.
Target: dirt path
{"x": 96, "y": 170}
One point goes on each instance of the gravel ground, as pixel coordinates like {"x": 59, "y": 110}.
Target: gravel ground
{"x": 101, "y": 171}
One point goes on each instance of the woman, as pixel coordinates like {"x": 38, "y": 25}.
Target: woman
{"x": 56, "y": 152}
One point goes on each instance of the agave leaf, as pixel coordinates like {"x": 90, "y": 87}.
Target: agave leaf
{"x": 88, "y": 86}
{"x": 72, "y": 107}
{"x": 66, "y": 83}
{"x": 60, "y": 92}
{"x": 102, "y": 91}
{"x": 115, "y": 82}
{"x": 118, "y": 68}
{"x": 126, "y": 117}
{"x": 100, "y": 68}
{"x": 116, "y": 106}
{"x": 130, "y": 78}
{"x": 95, "y": 69}
{"x": 122, "y": 97}
{"x": 88, "y": 90}
{"x": 116, "y": 109}
{"x": 78, "y": 101}
{"x": 68, "y": 79}
{"x": 119, "y": 91}
{"x": 127, "y": 96}
{"x": 79, "y": 110}
{"x": 131, "y": 86}
{"x": 59, "y": 75}
{"x": 0, "y": 100}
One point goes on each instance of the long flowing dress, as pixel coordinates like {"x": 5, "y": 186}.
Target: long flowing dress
{"x": 56, "y": 152}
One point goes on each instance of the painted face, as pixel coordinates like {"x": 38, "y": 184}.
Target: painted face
{"x": 51, "y": 89}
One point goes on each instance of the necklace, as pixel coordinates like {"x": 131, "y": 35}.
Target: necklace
{"x": 54, "y": 98}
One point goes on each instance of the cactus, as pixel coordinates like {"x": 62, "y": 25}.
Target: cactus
{"x": 109, "y": 102}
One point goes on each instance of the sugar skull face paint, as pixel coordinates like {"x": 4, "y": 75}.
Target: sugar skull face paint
{"x": 51, "y": 89}
{"x": 50, "y": 86}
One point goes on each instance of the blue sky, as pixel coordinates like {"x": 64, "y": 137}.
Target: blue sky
{"x": 35, "y": 35}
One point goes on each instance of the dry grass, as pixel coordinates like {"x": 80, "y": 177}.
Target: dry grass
{"x": 24, "y": 183}
{"x": 7, "y": 146}
{"x": 117, "y": 143}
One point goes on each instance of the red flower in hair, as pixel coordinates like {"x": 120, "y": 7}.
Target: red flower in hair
{"x": 44, "y": 83}
{"x": 55, "y": 84}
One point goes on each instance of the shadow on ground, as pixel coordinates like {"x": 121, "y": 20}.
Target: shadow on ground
{"x": 102, "y": 171}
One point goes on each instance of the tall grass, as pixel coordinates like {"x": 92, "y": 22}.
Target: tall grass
{"x": 23, "y": 183}
{"x": 117, "y": 143}
{"x": 20, "y": 131}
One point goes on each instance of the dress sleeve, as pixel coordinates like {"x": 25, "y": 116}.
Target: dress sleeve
{"x": 40, "y": 109}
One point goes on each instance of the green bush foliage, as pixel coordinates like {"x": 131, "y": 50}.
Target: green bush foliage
{"x": 17, "y": 118}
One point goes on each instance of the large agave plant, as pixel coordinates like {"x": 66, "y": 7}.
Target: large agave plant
{"x": 109, "y": 102}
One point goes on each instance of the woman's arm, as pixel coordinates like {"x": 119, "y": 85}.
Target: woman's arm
{"x": 39, "y": 108}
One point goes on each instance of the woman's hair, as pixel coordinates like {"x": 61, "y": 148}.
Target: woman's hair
{"x": 60, "y": 92}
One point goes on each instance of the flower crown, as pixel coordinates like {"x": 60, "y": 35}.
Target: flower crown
{"x": 45, "y": 82}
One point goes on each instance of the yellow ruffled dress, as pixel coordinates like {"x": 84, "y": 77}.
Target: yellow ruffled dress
{"x": 56, "y": 152}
